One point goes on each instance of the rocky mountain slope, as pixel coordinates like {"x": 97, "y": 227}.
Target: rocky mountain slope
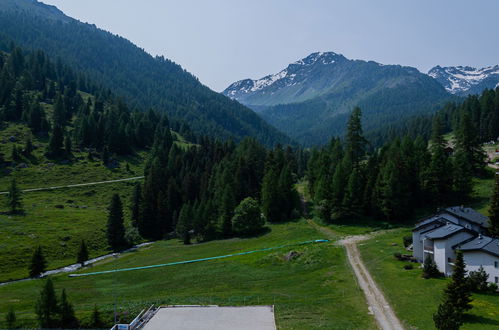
{"x": 465, "y": 80}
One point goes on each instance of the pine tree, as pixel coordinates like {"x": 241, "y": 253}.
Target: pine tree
{"x": 355, "y": 141}
{"x": 66, "y": 310}
{"x": 467, "y": 142}
{"x": 10, "y": 318}
{"x": 56, "y": 141}
{"x": 28, "y": 147}
{"x": 47, "y": 308}
{"x": 38, "y": 263}
{"x": 67, "y": 145}
{"x": 430, "y": 269}
{"x": 115, "y": 227}
{"x": 494, "y": 210}
{"x": 95, "y": 319}
{"x": 184, "y": 224}
{"x": 352, "y": 201}
{"x": 457, "y": 298}
{"x": 14, "y": 153}
{"x": 82, "y": 253}
{"x": 14, "y": 198}
{"x": 270, "y": 195}
{"x": 105, "y": 156}
{"x": 135, "y": 203}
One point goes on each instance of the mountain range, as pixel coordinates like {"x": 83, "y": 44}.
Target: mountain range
{"x": 465, "y": 80}
{"x": 311, "y": 99}
{"x": 140, "y": 79}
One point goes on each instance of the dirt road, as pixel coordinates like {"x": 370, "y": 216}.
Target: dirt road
{"x": 378, "y": 305}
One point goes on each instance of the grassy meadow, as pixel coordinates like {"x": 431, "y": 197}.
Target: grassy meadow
{"x": 314, "y": 290}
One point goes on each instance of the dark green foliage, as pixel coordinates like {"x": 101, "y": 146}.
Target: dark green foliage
{"x": 67, "y": 145}
{"x": 10, "y": 318}
{"x": 28, "y": 147}
{"x": 96, "y": 320}
{"x": 355, "y": 142}
{"x": 135, "y": 202}
{"x": 82, "y": 255}
{"x": 68, "y": 319}
{"x": 14, "y": 198}
{"x": 38, "y": 263}
{"x": 494, "y": 210}
{"x": 54, "y": 148}
{"x": 430, "y": 269}
{"x": 247, "y": 218}
{"x": 477, "y": 280}
{"x": 143, "y": 80}
{"x": 407, "y": 240}
{"x": 447, "y": 317}
{"x": 184, "y": 224}
{"x": 456, "y": 300}
{"x": 47, "y": 307}
{"x": 115, "y": 227}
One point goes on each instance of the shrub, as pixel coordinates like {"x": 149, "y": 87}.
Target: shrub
{"x": 397, "y": 255}
{"x": 430, "y": 269}
{"x": 477, "y": 280}
{"x": 407, "y": 241}
{"x": 408, "y": 267}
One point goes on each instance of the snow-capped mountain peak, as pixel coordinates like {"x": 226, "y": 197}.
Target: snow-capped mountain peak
{"x": 285, "y": 77}
{"x": 464, "y": 80}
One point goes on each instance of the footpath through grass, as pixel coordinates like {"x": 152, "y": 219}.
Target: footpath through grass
{"x": 413, "y": 298}
{"x": 315, "y": 289}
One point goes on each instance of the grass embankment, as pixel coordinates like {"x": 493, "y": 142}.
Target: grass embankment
{"x": 413, "y": 298}
{"x": 56, "y": 219}
{"x": 314, "y": 290}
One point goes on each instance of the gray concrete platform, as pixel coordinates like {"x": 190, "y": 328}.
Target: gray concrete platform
{"x": 213, "y": 318}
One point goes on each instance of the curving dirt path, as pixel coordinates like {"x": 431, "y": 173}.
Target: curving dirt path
{"x": 378, "y": 305}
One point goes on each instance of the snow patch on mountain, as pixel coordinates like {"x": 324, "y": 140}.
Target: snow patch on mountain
{"x": 460, "y": 79}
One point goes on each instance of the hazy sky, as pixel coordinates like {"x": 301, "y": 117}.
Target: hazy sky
{"x": 222, "y": 41}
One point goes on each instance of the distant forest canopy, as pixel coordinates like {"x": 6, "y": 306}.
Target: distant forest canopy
{"x": 485, "y": 115}
{"x": 53, "y": 99}
{"x": 142, "y": 80}
{"x": 408, "y": 171}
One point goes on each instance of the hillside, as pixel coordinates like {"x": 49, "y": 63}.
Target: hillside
{"x": 310, "y": 100}
{"x": 144, "y": 81}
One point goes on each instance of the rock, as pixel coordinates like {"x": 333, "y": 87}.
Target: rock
{"x": 59, "y": 206}
{"x": 22, "y": 165}
{"x": 50, "y": 165}
{"x": 12, "y": 138}
{"x": 291, "y": 255}
{"x": 394, "y": 244}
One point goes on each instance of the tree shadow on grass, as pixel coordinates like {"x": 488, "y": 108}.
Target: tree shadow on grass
{"x": 476, "y": 319}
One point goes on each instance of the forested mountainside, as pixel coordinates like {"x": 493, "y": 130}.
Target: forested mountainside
{"x": 142, "y": 80}
{"x": 417, "y": 168}
{"x": 311, "y": 99}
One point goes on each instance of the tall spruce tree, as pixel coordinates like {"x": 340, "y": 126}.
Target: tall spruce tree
{"x": 82, "y": 253}
{"x": 457, "y": 298}
{"x": 115, "y": 226}
{"x": 10, "y": 318}
{"x": 355, "y": 141}
{"x": 184, "y": 223}
{"x": 270, "y": 194}
{"x": 135, "y": 202}
{"x": 47, "y": 308}
{"x": 96, "y": 319}
{"x": 14, "y": 198}
{"x": 54, "y": 148}
{"x": 38, "y": 264}
{"x": 494, "y": 210}
{"x": 68, "y": 319}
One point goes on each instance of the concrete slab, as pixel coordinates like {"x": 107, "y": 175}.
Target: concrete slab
{"x": 213, "y": 318}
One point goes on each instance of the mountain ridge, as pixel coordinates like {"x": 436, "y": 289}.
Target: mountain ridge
{"x": 465, "y": 80}
{"x": 310, "y": 99}
{"x": 142, "y": 80}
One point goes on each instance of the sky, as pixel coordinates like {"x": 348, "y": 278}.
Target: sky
{"x": 223, "y": 41}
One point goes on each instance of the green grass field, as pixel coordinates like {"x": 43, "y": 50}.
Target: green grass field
{"x": 315, "y": 290}
{"x": 413, "y": 298}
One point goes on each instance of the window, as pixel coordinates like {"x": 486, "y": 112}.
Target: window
{"x": 496, "y": 264}
{"x": 496, "y": 279}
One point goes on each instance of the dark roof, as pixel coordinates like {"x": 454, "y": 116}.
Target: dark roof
{"x": 482, "y": 243}
{"x": 429, "y": 221}
{"x": 469, "y": 214}
{"x": 445, "y": 231}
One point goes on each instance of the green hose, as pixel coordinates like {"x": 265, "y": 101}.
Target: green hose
{"x": 198, "y": 260}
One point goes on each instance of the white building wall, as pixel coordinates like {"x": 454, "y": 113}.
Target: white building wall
{"x": 443, "y": 250}
{"x": 417, "y": 242}
{"x": 475, "y": 259}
